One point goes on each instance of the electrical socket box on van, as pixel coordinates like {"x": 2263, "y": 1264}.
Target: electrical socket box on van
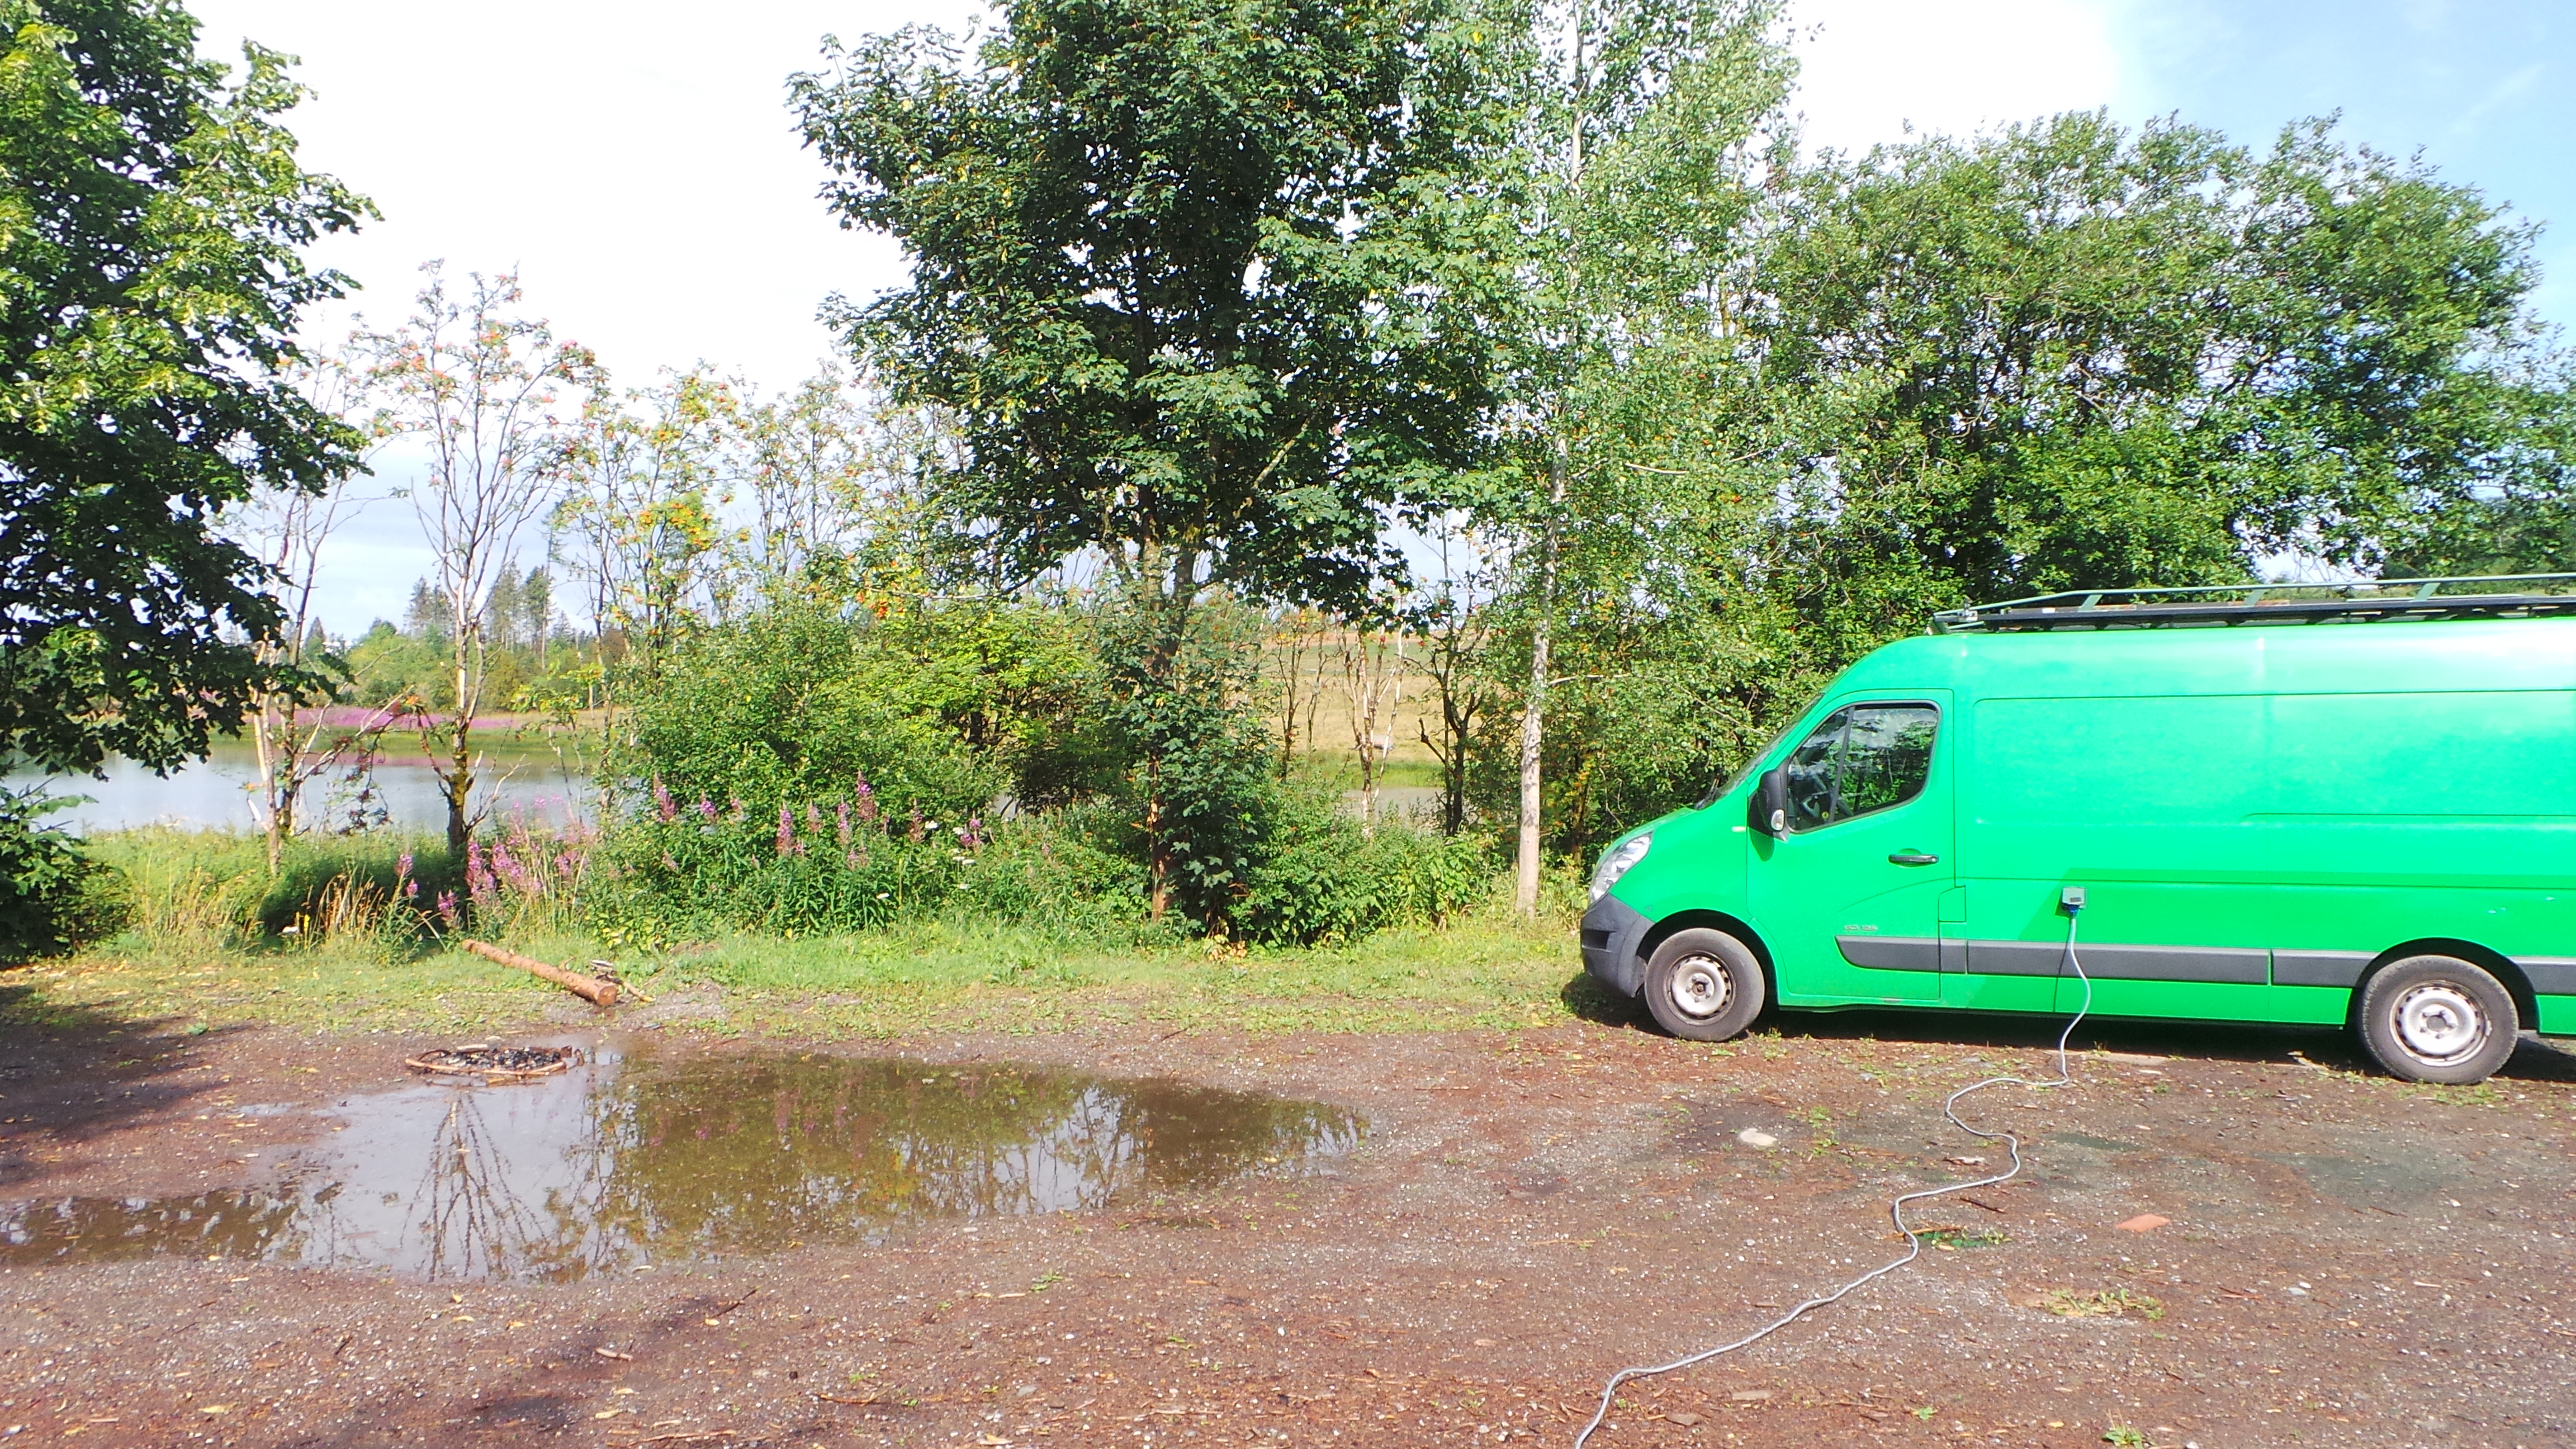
{"x": 2349, "y": 806}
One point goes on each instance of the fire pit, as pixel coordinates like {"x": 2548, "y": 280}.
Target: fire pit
{"x": 494, "y": 1063}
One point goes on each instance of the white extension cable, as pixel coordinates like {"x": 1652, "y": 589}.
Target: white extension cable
{"x": 2073, "y": 903}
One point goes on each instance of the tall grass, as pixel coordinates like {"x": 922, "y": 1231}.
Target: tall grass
{"x": 211, "y": 891}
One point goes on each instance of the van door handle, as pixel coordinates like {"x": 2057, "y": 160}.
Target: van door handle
{"x": 1912, "y": 857}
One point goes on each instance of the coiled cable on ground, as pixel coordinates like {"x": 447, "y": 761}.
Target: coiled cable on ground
{"x": 1896, "y": 1206}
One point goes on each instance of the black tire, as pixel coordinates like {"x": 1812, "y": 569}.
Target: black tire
{"x": 1704, "y": 985}
{"x": 2437, "y": 1019}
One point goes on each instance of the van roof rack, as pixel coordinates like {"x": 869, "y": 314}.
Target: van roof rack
{"x": 2493, "y": 596}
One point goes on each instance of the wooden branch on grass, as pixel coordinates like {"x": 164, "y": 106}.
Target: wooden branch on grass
{"x": 591, "y": 989}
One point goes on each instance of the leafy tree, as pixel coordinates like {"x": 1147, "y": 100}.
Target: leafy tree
{"x": 474, "y": 382}
{"x": 1180, "y": 277}
{"x": 152, "y": 217}
{"x": 1643, "y": 159}
{"x": 2070, "y": 354}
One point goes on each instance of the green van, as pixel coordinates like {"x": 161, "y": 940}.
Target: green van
{"x": 2269, "y": 806}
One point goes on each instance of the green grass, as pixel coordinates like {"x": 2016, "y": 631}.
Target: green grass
{"x": 198, "y": 953}
{"x": 1483, "y": 973}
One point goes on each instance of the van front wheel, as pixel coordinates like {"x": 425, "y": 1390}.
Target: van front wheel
{"x": 1704, "y": 985}
{"x": 2437, "y": 1019}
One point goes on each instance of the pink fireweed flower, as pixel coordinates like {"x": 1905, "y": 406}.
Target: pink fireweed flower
{"x": 706, "y": 809}
{"x": 867, "y": 801}
{"x": 973, "y": 835}
{"x": 842, "y": 810}
{"x": 447, "y": 910}
{"x": 739, "y": 812}
{"x": 411, "y": 890}
{"x": 663, "y": 804}
{"x": 813, "y": 816}
{"x": 786, "y": 830}
{"x": 402, "y": 866}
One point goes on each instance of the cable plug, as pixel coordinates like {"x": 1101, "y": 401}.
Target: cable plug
{"x": 2070, "y": 899}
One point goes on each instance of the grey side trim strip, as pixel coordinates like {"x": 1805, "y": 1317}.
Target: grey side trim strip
{"x": 2549, "y": 975}
{"x": 2017, "y": 958}
{"x": 2229, "y": 964}
{"x": 1891, "y": 953}
{"x": 2318, "y": 968}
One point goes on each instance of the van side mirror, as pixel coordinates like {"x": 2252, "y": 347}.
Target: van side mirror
{"x": 1767, "y": 807}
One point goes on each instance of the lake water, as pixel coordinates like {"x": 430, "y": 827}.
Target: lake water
{"x": 215, "y": 793}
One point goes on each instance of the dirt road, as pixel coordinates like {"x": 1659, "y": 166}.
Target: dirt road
{"x": 2344, "y": 1259}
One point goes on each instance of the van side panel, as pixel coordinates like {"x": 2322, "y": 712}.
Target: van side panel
{"x": 2311, "y": 830}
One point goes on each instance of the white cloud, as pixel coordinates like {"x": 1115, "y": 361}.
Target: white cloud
{"x": 1868, "y": 68}
{"x": 634, "y": 161}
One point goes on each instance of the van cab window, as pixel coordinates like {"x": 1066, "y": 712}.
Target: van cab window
{"x": 1864, "y": 757}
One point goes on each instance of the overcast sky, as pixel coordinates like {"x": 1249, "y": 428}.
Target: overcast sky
{"x": 635, "y": 163}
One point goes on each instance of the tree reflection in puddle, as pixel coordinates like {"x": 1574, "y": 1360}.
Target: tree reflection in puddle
{"x": 654, "y": 1157}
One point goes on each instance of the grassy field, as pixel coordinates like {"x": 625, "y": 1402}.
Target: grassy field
{"x": 205, "y": 949}
{"x": 1489, "y": 972}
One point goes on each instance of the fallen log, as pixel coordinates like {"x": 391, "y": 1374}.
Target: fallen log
{"x": 597, "y": 992}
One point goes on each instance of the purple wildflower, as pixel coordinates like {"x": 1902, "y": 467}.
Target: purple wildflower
{"x": 843, "y": 811}
{"x": 447, "y": 910}
{"x": 973, "y": 835}
{"x": 663, "y": 804}
{"x": 786, "y": 830}
{"x": 706, "y": 809}
{"x": 867, "y": 801}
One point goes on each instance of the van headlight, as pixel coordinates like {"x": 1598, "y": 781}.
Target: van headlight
{"x": 1616, "y": 864}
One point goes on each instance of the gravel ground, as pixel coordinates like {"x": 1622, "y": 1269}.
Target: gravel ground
{"x": 2342, "y": 1259}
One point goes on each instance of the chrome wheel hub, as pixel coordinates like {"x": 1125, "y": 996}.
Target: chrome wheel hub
{"x": 2439, "y": 1022}
{"x": 1701, "y": 988}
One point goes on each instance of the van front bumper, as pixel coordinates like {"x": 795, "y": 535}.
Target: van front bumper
{"x": 1611, "y": 932}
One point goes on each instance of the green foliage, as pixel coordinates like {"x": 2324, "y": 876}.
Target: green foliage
{"x": 934, "y": 707}
{"x": 1321, "y": 879}
{"x": 691, "y": 878}
{"x": 1178, "y": 272}
{"x": 387, "y": 664}
{"x": 151, "y": 219}
{"x": 1198, "y": 790}
{"x": 52, "y": 895}
{"x": 2070, "y": 354}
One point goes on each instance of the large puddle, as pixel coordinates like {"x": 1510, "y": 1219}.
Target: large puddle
{"x": 646, "y": 1158}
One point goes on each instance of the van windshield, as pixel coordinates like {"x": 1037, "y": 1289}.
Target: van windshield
{"x": 1722, "y": 788}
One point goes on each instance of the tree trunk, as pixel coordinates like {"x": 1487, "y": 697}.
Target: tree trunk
{"x": 1525, "y": 888}
{"x": 458, "y": 778}
{"x": 1534, "y": 711}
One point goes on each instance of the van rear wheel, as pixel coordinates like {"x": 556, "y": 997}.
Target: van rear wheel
{"x": 2437, "y": 1019}
{"x": 1704, "y": 985}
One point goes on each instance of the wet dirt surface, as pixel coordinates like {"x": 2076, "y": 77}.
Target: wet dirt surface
{"x": 2346, "y": 1259}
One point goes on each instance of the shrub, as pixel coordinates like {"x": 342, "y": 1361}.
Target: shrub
{"x": 1322, "y": 879}
{"x": 808, "y": 870}
{"x": 52, "y": 895}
